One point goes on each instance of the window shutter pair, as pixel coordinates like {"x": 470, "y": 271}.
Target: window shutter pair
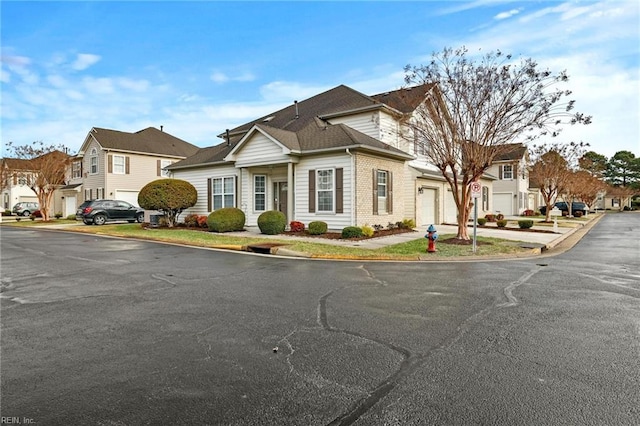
{"x": 389, "y": 192}
{"x": 339, "y": 191}
{"x": 126, "y": 164}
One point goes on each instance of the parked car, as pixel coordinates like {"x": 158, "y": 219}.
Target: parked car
{"x": 562, "y": 206}
{"x": 25, "y": 208}
{"x": 99, "y": 212}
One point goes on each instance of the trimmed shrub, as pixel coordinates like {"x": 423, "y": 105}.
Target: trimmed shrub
{"x": 528, "y": 213}
{"x": 169, "y": 196}
{"x": 490, "y": 217}
{"x": 499, "y": 216}
{"x": 579, "y": 213}
{"x": 408, "y": 223}
{"x": 227, "y": 219}
{"x": 7, "y": 212}
{"x": 318, "y": 227}
{"x": 191, "y": 220}
{"x": 525, "y": 224}
{"x": 58, "y": 215}
{"x": 272, "y": 222}
{"x": 501, "y": 223}
{"x": 482, "y": 221}
{"x": 296, "y": 226}
{"x": 368, "y": 231}
{"x": 352, "y": 232}
{"x": 71, "y": 217}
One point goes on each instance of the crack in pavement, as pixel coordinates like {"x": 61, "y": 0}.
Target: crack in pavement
{"x": 411, "y": 362}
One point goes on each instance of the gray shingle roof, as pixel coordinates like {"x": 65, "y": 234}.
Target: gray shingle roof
{"x": 510, "y": 152}
{"x": 149, "y": 140}
{"x": 301, "y": 128}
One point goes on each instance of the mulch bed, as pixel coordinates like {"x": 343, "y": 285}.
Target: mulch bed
{"x": 338, "y": 235}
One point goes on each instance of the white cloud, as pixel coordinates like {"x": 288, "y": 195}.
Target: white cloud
{"x": 221, "y": 77}
{"x": 84, "y": 61}
{"x": 508, "y": 14}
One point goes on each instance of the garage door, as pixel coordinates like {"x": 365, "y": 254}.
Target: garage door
{"x": 502, "y": 204}
{"x": 128, "y": 196}
{"x": 450, "y": 209}
{"x": 427, "y": 207}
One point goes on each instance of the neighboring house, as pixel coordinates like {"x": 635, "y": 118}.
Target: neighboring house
{"x": 511, "y": 192}
{"x": 115, "y": 164}
{"x": 338, "y": 157}
{"x": 16, "y": 175}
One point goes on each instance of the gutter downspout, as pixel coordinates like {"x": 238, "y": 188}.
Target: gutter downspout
{"x": 354, "y": 193}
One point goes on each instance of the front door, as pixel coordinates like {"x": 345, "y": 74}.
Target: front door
{"x": 280, "y": 196}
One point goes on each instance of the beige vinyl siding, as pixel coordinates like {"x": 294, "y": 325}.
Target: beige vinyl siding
{"x": 260, "y": 150}
{"x": 94, "y": 181}
{"x": 301, "y": 201}
{"x": 142, "y": 170}
{"x": 390, "y": 132}
{"x": 198, "y": 178}
{"x": 366, "y": 122}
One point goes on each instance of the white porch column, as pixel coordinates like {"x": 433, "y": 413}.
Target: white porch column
{"x": 290, "y": 189}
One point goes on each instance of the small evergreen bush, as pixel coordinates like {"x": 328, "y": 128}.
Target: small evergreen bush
{"x": 71, "y": 217}
{"x": 352, "y": 232}
{"x": 58, "y": 215}
{"x": 408, "y": 223}
{"x": 227, "y": 219}
{"x": 482, "y": 221}
{"x": 318, "y": 227}
{"x": 579, "y": 213}
{"x": 525, "y": 224}
{"x": 501, "y": 223}
{"x": 368, "y": 231}
{"x": 499, "y": 216}
{"x": 272, "y": 222}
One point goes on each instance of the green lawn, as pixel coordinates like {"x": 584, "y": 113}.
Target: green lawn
{"x": 408, "y": 250}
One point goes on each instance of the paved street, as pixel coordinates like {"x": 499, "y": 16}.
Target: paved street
{"x": 102, "y": 331}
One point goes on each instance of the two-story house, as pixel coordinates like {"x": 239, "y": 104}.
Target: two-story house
{"x": 116, "y": 164}
{"x": 511, "y": 192}
{"x": 16, "y": 174}
{"x": 340, "y": 157}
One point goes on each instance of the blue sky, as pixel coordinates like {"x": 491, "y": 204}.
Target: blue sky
{"x": 200, "y": 67}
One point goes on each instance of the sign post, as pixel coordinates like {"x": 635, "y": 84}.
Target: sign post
{"x": 476, "y": 192}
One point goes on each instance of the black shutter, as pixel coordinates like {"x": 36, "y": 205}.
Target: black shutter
{"x": 339, "y": 191}
{"x": 110, "y": 165}
{"x": 312, "y": 191}
{"x": 389, "y": 192}
{"x": 209, "y": 189}
{"x": 375, "y": 191}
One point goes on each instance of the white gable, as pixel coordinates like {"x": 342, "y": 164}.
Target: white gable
{"x": 259, "y": 150}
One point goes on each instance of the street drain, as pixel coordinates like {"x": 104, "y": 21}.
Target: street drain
{"x": 263, "y": 248}
{"x": 543, "y": 264}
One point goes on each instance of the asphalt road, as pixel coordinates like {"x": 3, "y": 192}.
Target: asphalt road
{"x": 102, "y": 331}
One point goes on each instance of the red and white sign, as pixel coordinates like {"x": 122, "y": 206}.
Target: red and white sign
{"x": 476, "y": 189}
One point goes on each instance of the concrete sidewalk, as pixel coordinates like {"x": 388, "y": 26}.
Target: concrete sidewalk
{"x": 540, "y": 241}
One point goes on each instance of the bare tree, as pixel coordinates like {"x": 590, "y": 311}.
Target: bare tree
{"x": 476, "y": 108}
{"x": 552, "y": 171}
{"x": 48, "y": 167}
{"x": 588, "y": 187}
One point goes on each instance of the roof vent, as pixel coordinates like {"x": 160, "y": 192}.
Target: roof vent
{"x": 295, "y": 103}
{"x": 228, "y": 138}
{"x": 161, "y": 128}
{"x": 266, "y": 120}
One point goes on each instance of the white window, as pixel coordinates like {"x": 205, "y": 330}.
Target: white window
{"x": 260, "y": 193}
{"x": 76, "y": 169}
{"x": 325, "y": 189}
{"x": 22, "y": 180}
{"x": 382, "y": 191}
{"x": 163, "y": 164}
{"x": 93, "y": 162}
{"x": 118, "y": 165}
{"x": 507, "y": 172}
{"x": 223, "y": 192}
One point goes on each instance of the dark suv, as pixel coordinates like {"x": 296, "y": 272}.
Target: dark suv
{"x": 25, "y": 209}
{"x": 562, "y": 206}
{"x": 98, "y": 212}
